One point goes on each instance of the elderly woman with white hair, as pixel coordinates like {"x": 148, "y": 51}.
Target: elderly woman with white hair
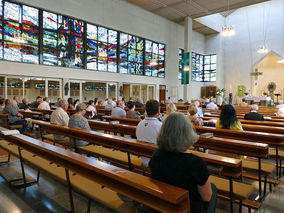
{"x": 173, "y": 163}
{"x": 171, "y": 108}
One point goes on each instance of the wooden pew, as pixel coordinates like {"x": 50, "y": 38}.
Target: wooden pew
{"x": 155, "y": 194}
{"x": 5, "y": 122}
{"x": 128, "y": 121}
{"x": 141, "y": 149}
{"x": 32, "y": 114}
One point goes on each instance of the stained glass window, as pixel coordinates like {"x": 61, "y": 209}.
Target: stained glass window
{"x": 20, "y": 33}
{"x": 131, "y": 54}
{"x": 180, "y": 66}
{"x": 101, "y": 48}
{"x": 155, "y": 59}
{"x": 203, "y": 67}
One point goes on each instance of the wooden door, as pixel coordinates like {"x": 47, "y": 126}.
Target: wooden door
{"x": 162, "y": 95}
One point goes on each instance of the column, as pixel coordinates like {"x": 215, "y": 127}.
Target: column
{"x": 187, "y": 48}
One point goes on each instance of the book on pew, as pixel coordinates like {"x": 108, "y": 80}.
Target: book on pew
{"x": 213, "y": 121}
{"x": 207, "y": 135}
{"x": 114, "y": 122}
{"x": 207, "y": 113}
{"x": 10, "y": 132}
{"x": 267, "y": 118}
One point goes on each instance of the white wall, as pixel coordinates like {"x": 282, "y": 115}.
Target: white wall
{"x": 119, "y": 15}
{"x": 240, "y": 51}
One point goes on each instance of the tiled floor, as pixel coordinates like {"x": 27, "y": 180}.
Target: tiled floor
{"x": 51, "y": 196}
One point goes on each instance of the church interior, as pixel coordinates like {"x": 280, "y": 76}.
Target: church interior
{"x": 141, "y": 106}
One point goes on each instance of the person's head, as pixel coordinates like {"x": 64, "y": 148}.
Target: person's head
{"x": 280, "y": 101}
{"x": 176, "y": 133}
{"x": 2, "y": 101}
{"x": 113, "y": 99}
{"x": 192, "y": 110}
{"x": 131, "y": 105}
{"x": 211, "y": 99}
{"x": 109, "y": 101}
{"x": 169, "y": 97}
{"x": 76, "y": 102}
{"x": 39, "y": 99}
{"x": 70, "y": 101}
{"x": 243, "y": 100}
{"x": 228, "y": 116}
{"x": 152, "y": 108}
{"x": 46, "y": 99}
{"x": 25, "y": 101}
{"x": 253, "y": 107}
{"x": 8, "y": 102}
{"x": 171, "y": 108}
{"x": 100, "y": 103}
{"x": 81, "y": 109}
{"x": 119, "y": 103}
{"x": 63, "y": 104}
{"x": 91, "y": 103}
{"x": 196, "y": 103}
{"x": 16, "y": 98}
{"x": 96, "y": 100}
{"x": 131, "y": 99}
{"x": 58, "y": 99}
{"x": 139, "y": 100}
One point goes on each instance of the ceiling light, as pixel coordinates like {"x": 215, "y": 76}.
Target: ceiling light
{"x": 228, "y": 31}
{"x": 262, "y": 49}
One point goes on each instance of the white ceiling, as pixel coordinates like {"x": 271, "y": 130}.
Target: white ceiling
{"x": 177, "y": 10}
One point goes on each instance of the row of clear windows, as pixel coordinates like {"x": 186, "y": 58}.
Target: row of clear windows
{"x": 68, "y": 42}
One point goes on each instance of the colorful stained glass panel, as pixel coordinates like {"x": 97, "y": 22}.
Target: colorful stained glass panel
{"x": 77, "y": 27}
{"x": 12, "y": 51}
{"x": 102, "y": 34}
{"x": 1, "y": 50}
{"x": 64, "y": 24}
{"x": 92, "y": 32}
{"x": 30, "y": 16}
{"x": 112, "y": 51}
{"x": 30, "y": 34}
{"x": 12, "y": 12}
{"x": 123, "y": 40}
{"x": 30, "y": 54}
{"x": 63, "y": 41}
{"x": 49, "y": 21}
{"x": 123, "y": 67}
{"x": 50, "y": 56}
{"x": 12, "y": 30}
{"x": 50, "y": 39}
{"x": 149, "y": 46}
{"x": 112, "y": 37}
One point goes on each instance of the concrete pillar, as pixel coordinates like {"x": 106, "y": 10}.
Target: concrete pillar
{"x": 187, "y": 48}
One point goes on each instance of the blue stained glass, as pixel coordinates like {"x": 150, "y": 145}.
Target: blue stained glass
{"x": 149, "y": 46}
{"x": 50, "y": 39}
{"x": 92, "y": 63}
{"x": 11, "y": 30}
{"x": 49, "y": 21}
{"x": 102, "y": 34}
{"x": 123, "y": 54}
{"x": 161, "y": 57}
{"x": 148, "y": 71}
{"x": 64, "y": 24}
{"x": 102, "y": 65}
{"x": 1, "y": 29}
{"x": 77, "y": 44}
{"x": 50, "y": 56}
{"x": 92, "y": 32}
{"x": 1, "y": 6}
{"x": 132, "y": 43}
{"x": 112, "y": 66}
{"x": 78, "y": 60}
{"x": 112, "y": 37}
{"x": 112, "y": 51}
{"x": 12, "y": 52}
{"x": 102, "y": 49}
{"x": 139, "y": 56}
{"x": 12, "y": 12}
{"x": 77, "y": 27}
{"x": 123, "y": 40}
{"x": 30, "y": 34}
{"x": 123, "y": 67}
{"x": 30, "y": 15}
{"x": 139, "y": 69}
{"x": 92, "y": 48}
{"x": 30, "y": 54}
{"x": 155, "y": 48}
{"x": 148, "y": 57}
{"x": 131, "y": 68}
{"x": 132, "y": 55}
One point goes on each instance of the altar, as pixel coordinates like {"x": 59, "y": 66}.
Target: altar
{"x": 262, "y": 100}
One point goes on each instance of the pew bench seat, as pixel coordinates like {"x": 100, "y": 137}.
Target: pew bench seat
{"x": 242, "y": 191}
{"x": 267, "y": 168}
{"x": 50, "y": 137}
{"x": 272, "y": 154}
{"x": 81, "y": 184}
{"x": 111, "y": 155}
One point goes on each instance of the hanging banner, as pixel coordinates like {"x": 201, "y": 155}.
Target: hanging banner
{"x": 241, "y": 90}
{"x": 185, "y": 68}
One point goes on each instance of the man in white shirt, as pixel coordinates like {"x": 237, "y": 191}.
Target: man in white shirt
{"x": 60, "y": 117}
{"x": 44, "y": 104}
{"x": 118, "y": 111}
{"x": 280, "y": 112}
{"x": 212, "y": 105}
{"x": 15, "y": 102}
{"x": 280, "y": 104}
{"x": 105, "y": 102}
{"x": 147, "y": 129}
{"x": 92, "y": 108}
{"x": 169, "y": 101}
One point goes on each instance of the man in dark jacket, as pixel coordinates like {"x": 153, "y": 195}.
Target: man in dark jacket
{"x": 253, "y": 115}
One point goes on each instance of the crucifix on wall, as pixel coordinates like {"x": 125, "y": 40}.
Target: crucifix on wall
{"x": 256, "y": 74}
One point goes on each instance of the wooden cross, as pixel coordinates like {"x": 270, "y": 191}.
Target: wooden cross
{"x": 256, "y": 74}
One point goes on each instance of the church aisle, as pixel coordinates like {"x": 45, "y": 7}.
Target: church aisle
{"x": 51, "y": 196}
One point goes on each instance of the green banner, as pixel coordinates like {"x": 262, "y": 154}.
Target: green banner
{"x": 185, "y": 68}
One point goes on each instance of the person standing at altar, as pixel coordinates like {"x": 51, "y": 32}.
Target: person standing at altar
{"x": 280, "y": 104}
{"x": 243, "y": 103}
{"x": 253, "y": 115}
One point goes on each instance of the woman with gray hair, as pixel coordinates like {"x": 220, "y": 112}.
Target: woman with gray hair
{"x": 173, "y": 163}
{"x": 79, "y": 121}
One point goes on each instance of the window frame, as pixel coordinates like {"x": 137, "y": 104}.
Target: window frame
{"x": 203, "y": 71}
